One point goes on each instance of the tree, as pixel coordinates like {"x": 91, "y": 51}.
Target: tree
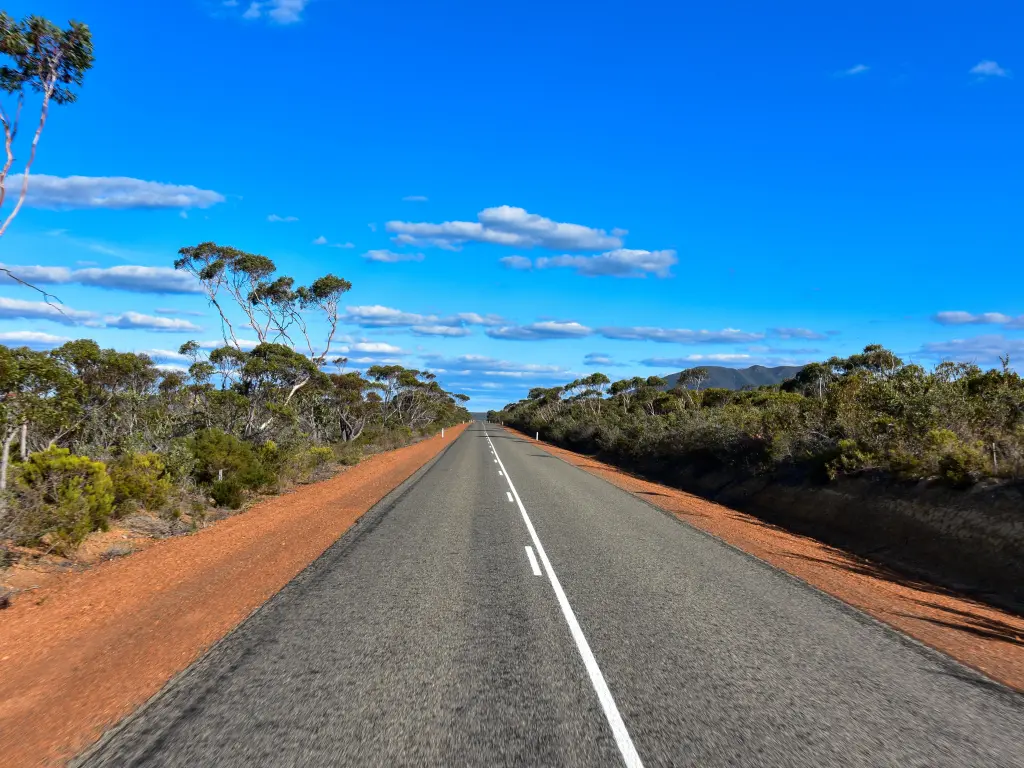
{"x": 274, "y": 309}
{"x": 49, "y": 61}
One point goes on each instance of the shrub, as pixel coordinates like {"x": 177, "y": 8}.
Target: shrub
{"x": 216, "y": 453}
{"x": 227, "y": 493}
{"x": 140, "y": 479}
{"x": 60, "y": 498}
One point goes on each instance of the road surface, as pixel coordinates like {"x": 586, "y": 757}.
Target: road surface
{"x": 505, "y": 608}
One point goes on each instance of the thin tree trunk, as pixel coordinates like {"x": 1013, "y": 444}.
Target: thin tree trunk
{"x": 6, "y": 459}
{"x": 24, "y": 440}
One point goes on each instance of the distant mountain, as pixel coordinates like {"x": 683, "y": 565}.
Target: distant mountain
{"x": 739, "y": 378}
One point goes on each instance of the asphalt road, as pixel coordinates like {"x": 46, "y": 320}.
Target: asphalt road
{"x": 424, "y": 638}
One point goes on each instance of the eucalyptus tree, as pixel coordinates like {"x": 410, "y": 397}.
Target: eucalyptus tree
{"x": 45, "y": 59}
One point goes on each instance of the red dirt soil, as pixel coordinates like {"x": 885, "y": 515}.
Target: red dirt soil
{"x": 987, "y": 639}
{"x": 87, "y": 649}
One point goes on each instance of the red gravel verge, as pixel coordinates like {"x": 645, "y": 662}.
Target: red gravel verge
{"x": 83, "y": 652}
{"x": 985, "y": 638}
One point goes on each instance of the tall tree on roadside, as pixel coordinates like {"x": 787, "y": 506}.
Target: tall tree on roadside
{"x": 47, "y": 60}
{"x": 277, "y": 313}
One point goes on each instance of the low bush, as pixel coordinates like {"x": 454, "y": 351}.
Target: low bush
{"x": 60, "y": 498}
{"x": 140, "y": 480}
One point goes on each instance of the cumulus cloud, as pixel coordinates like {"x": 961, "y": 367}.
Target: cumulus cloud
{"x": 371, "y": 349}
{"x": 32, "y": 339}
{"x": 390, "y": 257}
{"x": 128, "y": 277}
{"x": 986, "y": 348}
{"x": 679, "y": 362}
{"x": 984, "y": 318}
{"x": 506, "y": 225}
{"x": 245, "y": 344}
{"x": 278, "y": 11}
{"x": 989, "y": 68}
{"x": 377, "y": 316}
{"x": 798, "y": 333}
{"x": 136, "y": 320}
{"x": 490, "y": 366}
{"x": 274, "y": 218}
{"x": 599, "y": 358}
{"x": 679, "y": 335}
{"x": 622, "y": 262}
{"x": 440, "y": 330}
{"x": 540, "y": 331}
{"x": 18, "y": 309}
{"x": 113, "y": 192}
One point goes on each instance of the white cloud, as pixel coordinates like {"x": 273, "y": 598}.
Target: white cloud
{"x": 622, "y": 262}
{"x": 324, "y": 241}
{"x": 40, "y": 310}
{"x": 516, "y": 262}
{"x": 679, "y": 335}
{"x": 540, "y": 331}
{"x": 245, "y": 344}
{"x": 798, "y": 333}
{"x": 390, "y": 257}
{"x": 491, "y": 366}
{"x": 986, "y": 347}
{"x": 33, "y": 339}
{"x": 506, "y": 225}
{"x": 414, "y": 199}
{"x": 278, "y": 11}
{"x": 128, "y": 277}
{"x": 173, "y": 311}
{"x": 136, "y": 320}
{"x": 599, "y": 358}
{"x": 113, "y": 192}
{"x": 371, "y": 348}
{"x": 856, "y": 69}
{"x": 678, "y": 362}
{"x": 989, "y": 68}
{"x": 274, "y": 218}
{"x": 377, "y": 316}
{"x": 440, "y": 330}
{"x": 165, "y": 356}
{"x": 985, "y": 318}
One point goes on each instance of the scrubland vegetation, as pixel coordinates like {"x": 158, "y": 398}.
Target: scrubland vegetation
{"x": 90, "y": 435}
{"x": 868, "y": 413}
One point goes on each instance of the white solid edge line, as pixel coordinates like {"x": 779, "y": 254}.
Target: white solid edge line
{"x": 533, "y": 561}
{"x": 622, "y": 738}
{"x": 509, "y": 496}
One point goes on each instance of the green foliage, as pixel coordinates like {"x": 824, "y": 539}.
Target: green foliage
{"x": 227, "y": 493}
{"x": 870, "y": 411}
{"x": 140, "y": 479}
{"x": 60, "y": 498}
{"x": 45, "y": 58}
{"x": 222, "y": 457}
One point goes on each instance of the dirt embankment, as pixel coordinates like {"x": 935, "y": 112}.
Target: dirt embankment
{"x": 984, "y": 637}
{"x": 88, "y": 648}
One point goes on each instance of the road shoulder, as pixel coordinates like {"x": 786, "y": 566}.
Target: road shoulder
{"x": 87, "y": 651}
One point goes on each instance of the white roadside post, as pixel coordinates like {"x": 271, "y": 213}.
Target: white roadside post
{"x": 538, "y": 437}
{"x": 442, "y": 433}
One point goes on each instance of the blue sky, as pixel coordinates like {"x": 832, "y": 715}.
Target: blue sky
{"x": 654, "y": 184}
